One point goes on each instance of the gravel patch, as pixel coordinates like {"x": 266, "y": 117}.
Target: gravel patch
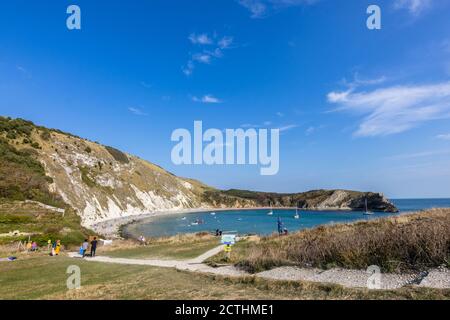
{"x": 344, "y": 277}
{"x": 437, "y": 278}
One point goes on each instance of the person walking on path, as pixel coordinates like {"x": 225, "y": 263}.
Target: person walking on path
{"x": 85, "y": 246}
{"x": 93, "y": 247}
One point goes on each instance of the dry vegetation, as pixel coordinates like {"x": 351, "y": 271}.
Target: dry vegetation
{"x": 404, "y": 243}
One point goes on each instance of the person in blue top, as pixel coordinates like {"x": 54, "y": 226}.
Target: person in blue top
{"x": 280, "y": 226}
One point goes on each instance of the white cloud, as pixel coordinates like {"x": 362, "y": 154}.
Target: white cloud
{"x": 206, "y": 99}
{"x": 200, "y": 38}
{"x": 218, "y": 44}
{"x": 423, "y": 154}
{"x": 395, "y": 109}
{"x": 188, "y": 69}
{"x": 443, "y": 136}
{"x": 24, "y": 71}
{"x": 225, "y": 42}
{"x": 137, "y": 111}
{"x": 146, "y": 85}
{"x": 287, "y": 127}
{"x": 280, "y": 114}
{"x": 261, "y": 8}
{"x": 310, "y": 130}
{"x": 415, "y": 7}
{"x": 358, "y": 81}
{"x": 202, "y": 58}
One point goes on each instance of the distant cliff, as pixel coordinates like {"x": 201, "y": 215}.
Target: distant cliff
{"x": 311, "y": 200}
{"x": 100, "y": 182}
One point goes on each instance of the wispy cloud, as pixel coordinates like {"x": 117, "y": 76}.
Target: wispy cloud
{"x": 212, "y": 47}
{"x": 359, "y": 81}
{"x": 267, "y": 124}
{"x": 443, "y": 136}
{"x": 395, "y": 109}
{"x": 262, "y": 8}
{"x": 137, "y": 111}
{"x": 200, "y": 38}
{"x": 414, "y": 7}
{"x": 202, "y": 58}
{"x": 287, "y": 127}
{"x": 146, "y": 85}
{"x": 24, "y": 71}
{"x": 423, "y": 154}
{"x": 206, "y": 99}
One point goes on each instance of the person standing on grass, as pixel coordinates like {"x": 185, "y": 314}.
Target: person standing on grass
{"x": 280, "y": 226}
{"x": 93, "y": 247}
{"x": 85, "y": 246}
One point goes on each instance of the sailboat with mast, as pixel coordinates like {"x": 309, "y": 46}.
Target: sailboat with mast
{"x": 270, "y": 213}
{"x": 297, "y": 216}
{"x": 367, "y": 212}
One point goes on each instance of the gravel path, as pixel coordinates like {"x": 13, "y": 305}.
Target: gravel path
{"x": 436, "y": 278}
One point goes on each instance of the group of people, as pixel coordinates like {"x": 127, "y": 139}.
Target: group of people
{"x": 85, "y": 246}
{"x": 218, "y": 233}
{"x": 31, "y": 246}
{"x": 55, "y": 247}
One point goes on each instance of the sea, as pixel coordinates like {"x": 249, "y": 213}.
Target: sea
{"x": 260, "y": 222}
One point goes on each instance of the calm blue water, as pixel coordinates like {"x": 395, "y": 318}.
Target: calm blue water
{"x": 258, "y": 222}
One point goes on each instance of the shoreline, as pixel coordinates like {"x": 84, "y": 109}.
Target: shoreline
{"x": 112, "y": 228}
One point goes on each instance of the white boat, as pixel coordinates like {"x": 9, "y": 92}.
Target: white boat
{"x": 213, "y": 213}
{"x": 367, "y": 212}
{"x": 297, "y": 216}
{"x": 184, "y": 218}
{"x": 270, "y": 213}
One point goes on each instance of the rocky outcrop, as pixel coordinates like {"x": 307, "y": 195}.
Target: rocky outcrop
{"x": 311, "y": 200}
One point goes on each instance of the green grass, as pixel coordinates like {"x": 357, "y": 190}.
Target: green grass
{"x": 42, "y": 277}
{"x": 43, "y": 224}
{"x": 179, "y": 251}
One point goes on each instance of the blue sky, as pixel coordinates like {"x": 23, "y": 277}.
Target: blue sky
{"x": 360, "y": 109}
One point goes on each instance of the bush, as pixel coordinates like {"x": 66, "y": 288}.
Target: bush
{"x": 11, "y": 135}
{"x": 23, "y": 177}
{"x": 88, "y": 149}
{"x": 45, "y": 134}
{"x": 35, "y": 145}
{"x": 118, "y": 155}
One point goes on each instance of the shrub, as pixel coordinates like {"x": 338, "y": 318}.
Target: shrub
{"x": 88, "y": 149}
{"x": 118, "y": 155}
{"x": 11, "y": 135}
{"x": 35, "y": 145}
{"x": 45, "y": 134}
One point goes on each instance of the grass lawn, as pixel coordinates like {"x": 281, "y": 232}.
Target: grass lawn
{"x": 43, "y": 277}
{"x": 166, "y": 250}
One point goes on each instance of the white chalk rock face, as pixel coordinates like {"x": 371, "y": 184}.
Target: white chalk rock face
{"x": 103, "y": 183}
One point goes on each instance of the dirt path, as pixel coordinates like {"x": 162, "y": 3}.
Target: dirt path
{"x": 436, "y": 278}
